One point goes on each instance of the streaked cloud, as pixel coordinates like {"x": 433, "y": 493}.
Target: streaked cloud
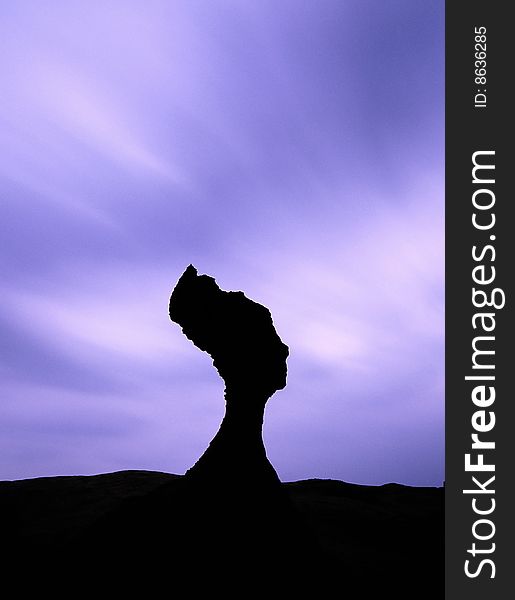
{"x": 294, "y": 152}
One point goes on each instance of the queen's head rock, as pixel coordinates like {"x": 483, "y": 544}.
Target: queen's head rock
{"x": 247, "y": 352}
{"x": 237, "y": 332}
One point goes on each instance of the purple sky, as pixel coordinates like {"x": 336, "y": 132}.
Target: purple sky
{"x": 293, "y": 150}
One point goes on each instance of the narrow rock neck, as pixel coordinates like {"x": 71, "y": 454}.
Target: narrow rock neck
{"x": 238, "y": 446}
{"x": 244, "y": 416}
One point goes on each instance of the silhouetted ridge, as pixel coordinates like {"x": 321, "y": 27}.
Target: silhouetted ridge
{"x": 376, "y": 541}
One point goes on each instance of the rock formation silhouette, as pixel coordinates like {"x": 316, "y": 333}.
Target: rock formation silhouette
{"x": 228, "y": 526}
{"x": 247, "y": 507}
{"x": 239, "y": 335}
{"x": 230, "y": 508}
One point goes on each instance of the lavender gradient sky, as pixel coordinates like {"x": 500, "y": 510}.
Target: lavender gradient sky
{"x": 292, "y": 149}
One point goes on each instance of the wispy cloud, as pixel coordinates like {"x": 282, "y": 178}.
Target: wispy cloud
{"x": 294, "y": 152}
